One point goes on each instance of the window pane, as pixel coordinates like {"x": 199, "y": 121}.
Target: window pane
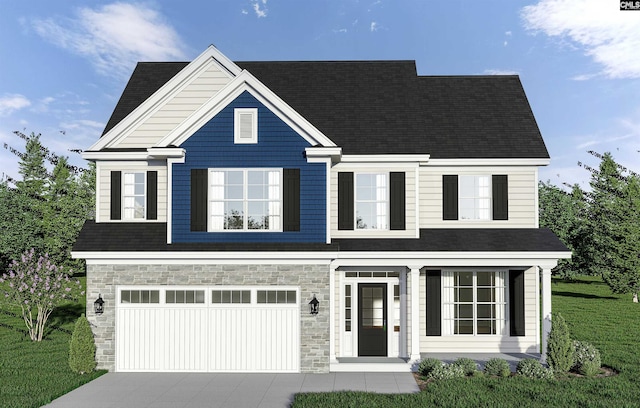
{"x": 226, "y": 296}
{"x": 281, "y": 296}
{"x": 465, "y": 278}
{"x": 464, "y": 295}
{"x": 145, "y": 296}
{"x": 486, "y": 295}
{"x": 465, "y": 311}
{"x": 216, "y": 296}
{"x": 291, "y": 296}
{"x": 190, "y": 296}
{"x": 262, "y": 296}
{"x": 486, "y": 311}
{"x": 246, "y": 296}
{"x": 271, "y": 296}
{"x": 464, "y": 327}
{"x": 486, "y": 279}
{"x": 486, "y": 327}
{"x": 155, "y": 296}
{"x": 234, "y": 177}
{"x": 179, "y": 296}
{"x": 200, "y": 296}
{"x": 235, "y": 296}
{"x": 125, "y": 296}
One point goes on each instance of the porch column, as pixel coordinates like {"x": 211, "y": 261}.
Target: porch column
{"x": 332, "y": 314}
{"x": 546, "y": 310}
{"x": 415, "y": 313}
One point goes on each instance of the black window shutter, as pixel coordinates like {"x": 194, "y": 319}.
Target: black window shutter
{"x": 199, "y": 185}
{"x": 434, "y": 303}
{"x": 291, "y": 200}
{"x": 449, "y": 197}
{"x": 500, "y": 189}
{"x": 397, "y": 201}
{"x": 152, "y": 195}
{"x": 345, "y": 201}
{"x": 516, "y": 303}
{"x": 116, "y": 195}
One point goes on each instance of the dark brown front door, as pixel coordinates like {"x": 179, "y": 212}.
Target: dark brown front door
{"x": 372, "y": 318}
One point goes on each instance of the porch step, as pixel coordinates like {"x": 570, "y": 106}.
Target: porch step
{"x": 370, "y": 364}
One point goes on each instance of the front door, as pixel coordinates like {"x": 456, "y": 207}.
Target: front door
{"x": 372, "y": 318}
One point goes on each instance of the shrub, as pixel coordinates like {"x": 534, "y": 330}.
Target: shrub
{"x": 444, "y": 372}
{"x": 559, "y": 346}
{"x": 531, "y": 368}
{"x": 497, "y": 367}
{"x": 468, "y": 365}
{"x": 586, "y": 358}
{"x": 82, "y": 349}
{"x": 427, "y": 365}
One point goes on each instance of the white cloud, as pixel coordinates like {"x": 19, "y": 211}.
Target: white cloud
{"x": 260, "y": 12}
{"x": 10, "y": 103}
{"x": 507, "y": 33}
{"x": 341, "y": 30}
{"x": 114, "y": 37}
{"x": 606, "y": 34}
{"x": 500, "y": 72}
{"x": 374, "y": 26}
{"x": 245, "y": 12}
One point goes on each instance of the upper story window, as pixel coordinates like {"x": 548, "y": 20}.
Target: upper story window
{"x": 133, "y": 195}
{"x": 475, "y": 197}
{"x": 245, "y": 129}
{"x": 371, "y": 201}
{"x": 245, "y": 199}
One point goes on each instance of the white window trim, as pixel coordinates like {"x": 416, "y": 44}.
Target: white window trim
{"x": 505, "y": 295}
{"x": 245, "y": 200}
{"x": 237, "y": 113}
{"x": 387, "y": 200}
{"x": 123, "y": 195}
{"x": 490, "y": 197}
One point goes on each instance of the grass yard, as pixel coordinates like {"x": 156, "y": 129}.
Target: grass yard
{"x": 33, "y": 374}
{"x": 610, "y": 322}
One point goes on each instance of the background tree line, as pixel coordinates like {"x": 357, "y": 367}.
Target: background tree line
{"x": 601, "y": 226}
{"x": 46, "y": 207}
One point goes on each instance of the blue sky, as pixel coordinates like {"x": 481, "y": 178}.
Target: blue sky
{"x": 63, "y": 65}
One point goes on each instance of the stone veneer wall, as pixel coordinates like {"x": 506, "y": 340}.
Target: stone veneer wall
{"x": 312, "y": 279}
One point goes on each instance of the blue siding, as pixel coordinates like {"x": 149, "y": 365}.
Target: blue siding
{"x": 278, "y": 145}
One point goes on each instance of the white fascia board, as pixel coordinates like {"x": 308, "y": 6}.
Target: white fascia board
{"x": 454, "y": 255}
{"x": 93, "y": 155}
{"x": 385, "y": 158}
{"x": 159, "y": 98}
{"x": 166, "y": 152}
{"x": 204, "y": 257}
{"x": 245, "y": 82}
{"x": 313, "y": 153}
{"x": 487, "y": 162}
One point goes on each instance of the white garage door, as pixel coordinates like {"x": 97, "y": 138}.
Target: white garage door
{"x": 208, "y": 329}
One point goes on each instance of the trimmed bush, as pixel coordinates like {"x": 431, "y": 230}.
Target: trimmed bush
{"x": 497, "y": 367}
{"x": 447, "y": 371}
{"x": 586, "y": 358}
{"x": 531, "y": 368}
{"x": 427, "y": 365}
{"x": 468, "y": 365}
{"x": 559, "y": 346}
{"x": 82, "y": 349}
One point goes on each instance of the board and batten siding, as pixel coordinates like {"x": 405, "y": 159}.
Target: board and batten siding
{"x": 168, "y": 116}
{"x": 103, "y": 182}
{"x": 522, "y": 192}
{"x": 529, "y": 343}
{"x": 410, "y": 201}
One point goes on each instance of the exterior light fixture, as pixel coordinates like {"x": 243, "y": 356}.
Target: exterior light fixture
{"x": 314, "y": 305}
{"x": 98, "y": 305}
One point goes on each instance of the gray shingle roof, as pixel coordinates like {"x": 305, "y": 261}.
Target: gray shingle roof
{"x": 144, "y": 237}
{"x": 384, "y": 107}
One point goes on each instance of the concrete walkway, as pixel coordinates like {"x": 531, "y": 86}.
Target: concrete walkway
{"x": 161, "y": 390}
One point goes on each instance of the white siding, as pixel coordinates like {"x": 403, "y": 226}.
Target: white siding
{"x": 103, "y": 185}
{"x": 522, "y": 182}
{"x": 168, "y": 116}
{"x": 487, "y": 344}
{"x": 410, "y": 209}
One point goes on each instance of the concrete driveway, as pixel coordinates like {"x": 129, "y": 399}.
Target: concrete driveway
{"x": 160, "y": 390}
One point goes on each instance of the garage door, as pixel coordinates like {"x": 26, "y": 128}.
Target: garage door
{"x": 208, "y": 329}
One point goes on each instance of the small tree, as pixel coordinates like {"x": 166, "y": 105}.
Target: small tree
{"x": 82, "y": 349}
{"x": 559, "y": 346}
{"x": 38, "y": 286}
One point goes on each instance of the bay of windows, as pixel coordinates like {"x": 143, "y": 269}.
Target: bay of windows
{"x": 371, "y": 201}
{"x": 245, "y": 199}
{"x": 474, "y": 303}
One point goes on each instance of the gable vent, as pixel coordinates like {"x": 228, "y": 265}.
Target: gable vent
{"x": 246, "y": 126}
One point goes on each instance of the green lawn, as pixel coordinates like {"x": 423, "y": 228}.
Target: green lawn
{"x": 610, "y": 322}
{"x": 33, "y": 374}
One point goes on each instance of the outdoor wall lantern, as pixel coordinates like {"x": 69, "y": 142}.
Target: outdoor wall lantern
{"x": 314, "y": 305}
{"x": 98, "y": 305}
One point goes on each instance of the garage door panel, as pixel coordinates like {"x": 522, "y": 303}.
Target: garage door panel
{"x": 208, "y": 337}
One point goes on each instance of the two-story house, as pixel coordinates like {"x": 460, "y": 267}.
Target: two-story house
{"x": 230, "y": 195}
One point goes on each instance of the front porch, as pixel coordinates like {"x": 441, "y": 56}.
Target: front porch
{"x": 393, "y": 364}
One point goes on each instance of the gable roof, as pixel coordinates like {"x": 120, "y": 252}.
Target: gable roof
{"x": 384, "y": 107}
